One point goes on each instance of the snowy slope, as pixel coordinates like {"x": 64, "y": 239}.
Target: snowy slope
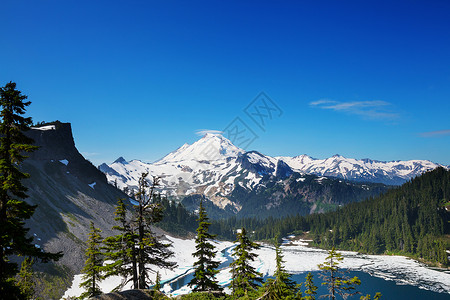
{"x": 214, "y": 167}
{"x": 208, "y": 167}
{"x": 298, "y": 258}
{"x": 392, "y": 173}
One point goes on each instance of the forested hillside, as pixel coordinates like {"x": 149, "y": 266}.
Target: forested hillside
{"x": 411, "y": 219}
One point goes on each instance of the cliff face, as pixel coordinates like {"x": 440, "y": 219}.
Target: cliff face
{"x": 56, "y": 143}
{"x": 70, "y": 193}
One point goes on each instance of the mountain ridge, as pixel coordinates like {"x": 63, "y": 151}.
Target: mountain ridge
{"x": 215, "y": 168}
{"x": 214, "y": 148}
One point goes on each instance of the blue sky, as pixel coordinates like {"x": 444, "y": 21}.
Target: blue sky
{"x": 139, "y": 78}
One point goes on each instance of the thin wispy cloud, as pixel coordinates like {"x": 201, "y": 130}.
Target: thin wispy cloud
{"x": 436, "y": 133}
{"x": 380, "y": 110}
{"x": 202, "y": 132}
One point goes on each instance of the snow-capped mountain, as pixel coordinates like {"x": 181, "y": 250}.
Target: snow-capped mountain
{"x": 214, "y": 167}
{"x": 211, "y": 147}
{"x": 366, "y": 170}
{"x": 208, "y": 167}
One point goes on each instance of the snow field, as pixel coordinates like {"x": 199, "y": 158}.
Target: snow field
{"x": 298, "y": 258}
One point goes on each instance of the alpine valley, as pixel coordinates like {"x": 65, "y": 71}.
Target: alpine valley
{"x": 232, "y": 181}
{"x": 70, "y": 192}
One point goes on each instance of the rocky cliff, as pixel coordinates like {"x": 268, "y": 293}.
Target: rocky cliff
{"x": 70, "y": 193}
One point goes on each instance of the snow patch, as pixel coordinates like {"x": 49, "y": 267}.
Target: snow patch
{"x": 45, "y": 128}
{"x": 64, "y": 161}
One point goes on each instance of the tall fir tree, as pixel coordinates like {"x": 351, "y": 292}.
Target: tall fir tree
{"x": 311, "y": 289}
{"x": 245, "y": 278}
{"x": 151, "y": 252}
{"x": 335, "y": 280}
{"x": 13, "y": 210}
{"x": 93, "y": 265}
{"x": 121, "y": 249}
{"x": 25, "y": 278}
{"x": 205, "y": 266}
{"x": 282, "y": 286}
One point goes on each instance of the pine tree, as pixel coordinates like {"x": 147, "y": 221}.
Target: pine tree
{"x": 157, "y": 286}
{"x": 334, "y": 279}
{"x": 93, "y": 264}
{"x": 25, "y": 280}
{"x": 150, "y": 250}
{"x": 282, "y": 286}
{"x": 205, "y": 266}
{"x": 13, "y": 210}
{"x": 121, "y": 249}
{"x": 367, "y": 297}
{"x": 244, "y": 276}
{"x": 311, "y": 289}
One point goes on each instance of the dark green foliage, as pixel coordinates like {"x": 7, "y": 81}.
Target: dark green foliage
{"x": 367, "y": 297}
{"x": 205, "y": 266}
{"x": 335, "y": 280}
{"x": 25, "y": 280}
{"x": 245, "y": 278}
{"x": 93, "y": 265}
{"x": 120, "y": 249}
{"x": 204, "y": 296}
{"x": 13, "y": 210}
{"x": 282, "y": 286}
{"x": 311, "y": 289}
{"x": 52, "y": 286}
{"x": 136, "y": 248}
{"x": 410, "y": 219}
{"x": 177, "y": 220}
{"x": 157, "y": 286}
{"x": 150, "y": 250}
{"x": 297, "y": 197}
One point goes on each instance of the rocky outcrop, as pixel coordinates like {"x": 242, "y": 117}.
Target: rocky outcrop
{"x": 69, "y": 193}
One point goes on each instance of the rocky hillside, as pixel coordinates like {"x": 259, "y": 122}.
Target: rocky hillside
{"x": 70, "y": 193}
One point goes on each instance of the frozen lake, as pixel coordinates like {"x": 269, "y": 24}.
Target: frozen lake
{"x": 396, "y": 277}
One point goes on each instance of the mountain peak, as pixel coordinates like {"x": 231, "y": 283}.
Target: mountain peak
{"x": 214, "y": 136}
{"x": 120, "y": 160}
{"x": 212, "y": 146}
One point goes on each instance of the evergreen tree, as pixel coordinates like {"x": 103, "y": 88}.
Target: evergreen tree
{"x": 367, "y": 297}
{"x": 205, "y": 266}
{"x": 25, "y": 280}
{"x": 121, "y": 249}
{"x": 282, "y": 286}
{"x": 157, "y": 286}
{"x": 334, "y": 279}
{"x": 150, "y": 250}
{"x": 413, "y": 218}
{"x": 244, "y": 277}
{"x": 311, "y": 289}
{"x": 93, "y": 264}
{"x": 13, "y": 210}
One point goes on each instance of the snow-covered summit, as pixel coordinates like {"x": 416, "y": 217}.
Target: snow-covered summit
{"x": 210, "y": 147}
{"x": 391, "y": 172}
{"x": 214, "y": 167}
{"x": 120, "y": 160}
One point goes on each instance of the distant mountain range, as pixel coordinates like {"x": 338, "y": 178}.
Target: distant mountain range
{"x": 214, "y": 168}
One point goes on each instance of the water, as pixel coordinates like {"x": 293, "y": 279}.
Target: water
{"x": 370, "y": 285}
{"x": 183, "y": 280}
